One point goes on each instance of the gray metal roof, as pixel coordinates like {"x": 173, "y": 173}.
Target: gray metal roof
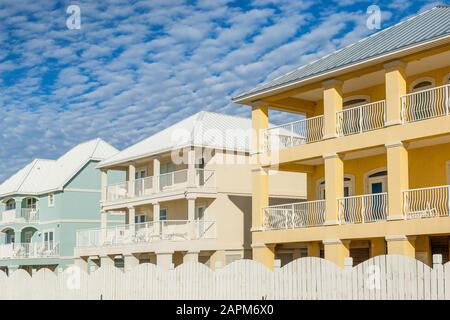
{"x": 429, "y": 25}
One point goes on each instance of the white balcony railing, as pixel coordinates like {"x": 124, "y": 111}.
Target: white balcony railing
{"x": 294, "y": 215}
{"x": 426, "y": 104}
{"x": 29, "y": 250}
{"x": 426, "y": 202}
{"x": 117, "y": 191}
{"x": 363, "y": 209}
{"x": 29, "y": 214}
{"x": 173, "y": 179}
{"x": 172, "y": 230}
{"x": 143, "y": 186}
{"x": 362, "y": 118}
{"x": 8, "y": 216}
{"x": 293, "y": 134}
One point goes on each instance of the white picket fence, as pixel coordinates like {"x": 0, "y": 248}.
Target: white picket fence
{"x": 382, "y": 277}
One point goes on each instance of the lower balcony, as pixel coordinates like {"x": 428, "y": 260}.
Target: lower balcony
{"x": 426, "y": 202}
{"x": 29, "y": 250}
{"x": 148, "y": 232}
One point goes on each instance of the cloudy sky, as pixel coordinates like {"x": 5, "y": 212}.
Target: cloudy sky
{"x": 136, "y": 67}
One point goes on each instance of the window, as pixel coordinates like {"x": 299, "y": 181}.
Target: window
{"x": 10, "y": 204}
{"x": 376, "y": 181}
{"x": 163, "y": 214}
{"x": 422, "y": 84}
{"x": 348, "y": 188}
{"x": 27, "y": 236}
{"x": 48, "y": 240}
{"x": 51, "y": 200}
{"x": 140, "y": 218}
{"x": 140, "y": 173}
{"x": 30, "y": 203}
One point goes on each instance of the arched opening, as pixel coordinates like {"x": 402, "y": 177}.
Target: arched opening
{"x": 28, "y": 234}
{"x": 422, "y": 84}
{"x": 10, "y": 204}
{"x": 376, "y": 181}
{"x": 7, "y": 236}
{"x": 348, "y": 187}
{"x": 354, "y": 101}
{"x": 446, "y": 79}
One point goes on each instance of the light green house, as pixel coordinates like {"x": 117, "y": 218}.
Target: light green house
{"x": 45, "y": 203}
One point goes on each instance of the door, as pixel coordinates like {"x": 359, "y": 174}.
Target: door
{"x": 200, "y": 216}
{"x": 48, "y": 240}
{"x": 376, "y": 205}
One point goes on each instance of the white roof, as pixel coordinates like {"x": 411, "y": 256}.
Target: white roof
{"x": 205, "y": 129}
{"x": 42, "y": 175}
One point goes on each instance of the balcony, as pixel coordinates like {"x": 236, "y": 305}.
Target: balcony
{"x": 426, "y": 202}
{"x": 363, "y": 209}
{"x": 29, "y": 214}
{"x": 361, "y": 119}
{"x": 167, "y": 230}
{"x": 426, "y": 104}
{"x": 29, "y": 250}
{"x": 156, "y": 184}
{"x": 8, "y": 216}
{"x": 294, "y": 215}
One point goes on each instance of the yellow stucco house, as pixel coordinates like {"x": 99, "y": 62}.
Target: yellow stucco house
{"x": 374, "y": 144}
{"x": 186, "y": 196}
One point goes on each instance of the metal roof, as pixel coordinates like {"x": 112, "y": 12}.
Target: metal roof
{"x": 427, "y": 26}
{"x": 42, "y": 175}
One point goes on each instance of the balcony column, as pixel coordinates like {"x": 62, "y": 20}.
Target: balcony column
{"x": 191, "y": 256}
{"x": 402, "y": 245}
{"x": 332, "y": 103}
{"x": 191, "y": 216}
{"x": 397, "y": 167}
{"x": 314, "y": 249}
{"x": 164, "y": 259}
{"x": 18, "y": 207}
{"x": 395, "y": 79}
{"x": 103, "y": 225}
{"x": 334, "y": 186}
{"x": 264, "y": 254}
{"x": 156, "y": 174}
{"x": 260, "y": 179}
{"x": 17, "y": 236}
{"x": 377, "y": 247}
{"x": 131, "y": 178}
{"x": 104, "y": 184}
{"x": 336, "y": 251}
{"x": 191, "y": 175}
{"x": 156, "y": 218}
{"x": 131, "y": 261}
{"x": 106, "y": 261}
{"x": 81, "y": 263}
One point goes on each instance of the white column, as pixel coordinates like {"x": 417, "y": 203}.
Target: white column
{"x": 131, "y": 215}
{"x": 191, "y": 217}
{"x": 191, "y": 169}
{"x": 156, "y": 223}
{"x": 131, "y": 178}
{"x": 104, "y": 184}
{"x": 164, "y": 259}
{"x": 130, "y": 261}
{"x": 156, "y": 174}
{"x": 103, "y": 225}
{"x": 191, "y": 256}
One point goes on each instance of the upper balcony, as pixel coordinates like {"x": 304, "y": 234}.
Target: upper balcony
{"x": 416, "y": 106}
{"x": 154, "y": 185}
{"x": 25, "y": 212}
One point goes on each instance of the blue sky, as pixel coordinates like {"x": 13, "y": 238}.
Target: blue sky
{"x": 136, "y": 67}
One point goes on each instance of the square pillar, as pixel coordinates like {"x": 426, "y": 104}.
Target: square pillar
{"x": 104, "y": 184}
{"x": 103, "y": 226}
{"x": 217, "y": 259}
{"x": 264, "y": 253}
{"x": 106, "y": 261}
{"x": 164, "y": 259}
{"x": 131, "y": 215}
{"x": 332, "y": 103}
{"x": 156, "y": 223}
{"x": 131, "y": 178}
{"x": 334, "y": 186}
{"x": 81, "y": 263}
{"x": 377, "y": 247}
{"x": 260, "y": 122}
{"x": 260, "y": 197}
{"x": 156, "y": 174}
{"x": 402, "y": 245}
{"x": 395, "y": 87}
{"x": 192, "y": 171}
{"x": 130, "y": 261}
{"x": 397, "y": 165}
{"x": 191, "y": 256}
{"x": 314, "y": 249}
{"x": 336, "y": 251}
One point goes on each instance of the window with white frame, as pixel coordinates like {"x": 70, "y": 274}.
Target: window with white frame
{"x": 140, "y": 218}
{"x": 348, "y": 188}
{"x": 140, "y": 173}
{"x": 422, "y": 84}
{"x": 51, "y": 200}
{"x": 10, "y": 204}
{"x": 163, "y": 214}
{"x": 355, "y": 101}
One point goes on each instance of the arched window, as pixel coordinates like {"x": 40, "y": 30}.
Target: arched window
{"x": 422, "y": 84}
{"x": 348, "y": 187}
{"x": 376, "y": 181}
{"x": 10, "y": 204}
{"x": 355, "y": 101}
{"x": 446, "y": 79}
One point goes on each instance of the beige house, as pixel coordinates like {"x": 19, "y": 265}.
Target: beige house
{"x": 187, "y": 196}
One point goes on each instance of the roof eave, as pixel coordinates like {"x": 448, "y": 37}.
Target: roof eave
{"x": 250, "y": 98}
